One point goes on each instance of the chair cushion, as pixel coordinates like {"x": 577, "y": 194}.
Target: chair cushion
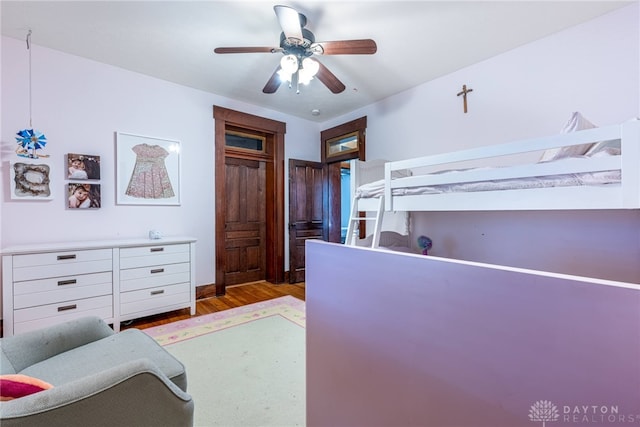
{"x": 94, "y": 357}
{"x": 26, "y": 349}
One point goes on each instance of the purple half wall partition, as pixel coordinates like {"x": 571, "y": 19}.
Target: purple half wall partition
{"x": 406, "y": 340}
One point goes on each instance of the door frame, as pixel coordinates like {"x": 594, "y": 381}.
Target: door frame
{"x": 359, "y": 127}
{"x": 275, "y": 245}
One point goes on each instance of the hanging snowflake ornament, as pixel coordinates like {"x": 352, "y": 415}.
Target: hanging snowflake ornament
{"x": 30, "y": 140}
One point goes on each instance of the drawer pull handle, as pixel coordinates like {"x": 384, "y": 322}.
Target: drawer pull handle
{"x": 68, "y": 307}
{"x": 67, "y": 282}
{"x": 156, "y": 249}
{"x": 157, "y": 292}
{"x": 157, "y": 270}
{"x": 63, "y": 257}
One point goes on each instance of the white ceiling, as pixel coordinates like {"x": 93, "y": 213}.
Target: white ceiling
{"x": 174, "y": 40}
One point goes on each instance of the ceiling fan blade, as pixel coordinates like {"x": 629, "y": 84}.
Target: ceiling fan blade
{"x": 273, "y": 83}
{"x": 256, "y": 49}
{"x": 289, "y": 20}
{"x": 346, "y": 47}
{"x": 329, "y": 79}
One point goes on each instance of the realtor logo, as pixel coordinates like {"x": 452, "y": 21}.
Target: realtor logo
{"x": 543, "y": 410}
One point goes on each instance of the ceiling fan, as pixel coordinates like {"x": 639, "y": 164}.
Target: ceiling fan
{"x": 298, "y": 45}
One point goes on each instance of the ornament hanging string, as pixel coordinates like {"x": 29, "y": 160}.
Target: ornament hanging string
{"x": 30, "y": 140}
{"x": 30, "y": 98}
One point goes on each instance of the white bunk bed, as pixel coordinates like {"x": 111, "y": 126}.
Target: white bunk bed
{"x": 459, "y": 332}
{"x": 607, "y": 176}
{"x": 389, "y": 231}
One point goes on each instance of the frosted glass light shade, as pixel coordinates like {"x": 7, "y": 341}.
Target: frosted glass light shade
{"x": 308, "y": 70}
{"x": 289, "y": 63}
{"x": 310, "y": 66}
{"x": 284, "y": 76}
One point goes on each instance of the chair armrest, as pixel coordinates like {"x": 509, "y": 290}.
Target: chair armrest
{"x": 26, "y": 349}
{"x": 135, "y": 393}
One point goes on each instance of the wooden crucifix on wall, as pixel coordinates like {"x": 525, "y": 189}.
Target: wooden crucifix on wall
{"x": 464, "y": 93}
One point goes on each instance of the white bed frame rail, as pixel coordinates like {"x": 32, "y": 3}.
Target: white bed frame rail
{"x": 611, "y": 196}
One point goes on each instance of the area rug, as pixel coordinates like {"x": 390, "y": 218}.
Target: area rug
{"x": 245, "y": 366}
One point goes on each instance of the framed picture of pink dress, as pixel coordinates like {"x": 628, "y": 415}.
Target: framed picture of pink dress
{"x": 147, "y": 170}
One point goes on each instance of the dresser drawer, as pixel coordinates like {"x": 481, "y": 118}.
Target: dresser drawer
{"x": 50, "y": 291}
{"x": 66, "y": 308}
{"x": 56, "y": 264}
{"x": 154, "y": 298}
{"x": 101, "y": 310}
{"x": 145, "y": 277}
{"x": 154, "y": 255}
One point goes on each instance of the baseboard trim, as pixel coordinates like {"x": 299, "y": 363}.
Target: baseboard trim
{"x": 205, "y": 291}
{"x": 208, "y": 291}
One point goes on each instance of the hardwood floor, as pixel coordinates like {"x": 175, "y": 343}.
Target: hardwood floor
{"x": 236, "y": 296}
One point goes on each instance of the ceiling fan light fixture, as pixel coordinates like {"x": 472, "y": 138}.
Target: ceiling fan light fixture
{"x": 304, "y": 77}
{"x": 284, "y": 76}
{"x": 289, "y": 63}
{"x": 310, "y": 66}
{"x": 308, "y": 71}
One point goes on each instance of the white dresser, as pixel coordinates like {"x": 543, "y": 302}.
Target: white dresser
{"x": 116, "y": 280}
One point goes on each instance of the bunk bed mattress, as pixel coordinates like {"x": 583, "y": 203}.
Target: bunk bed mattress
{"x": 376, "y": 188}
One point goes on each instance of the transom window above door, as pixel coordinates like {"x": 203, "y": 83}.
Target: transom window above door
{"x": 244, "y": 141}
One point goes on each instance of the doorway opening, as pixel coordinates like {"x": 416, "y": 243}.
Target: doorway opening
{"x": 345, "y": 199}
{"x": 340, "y": 145}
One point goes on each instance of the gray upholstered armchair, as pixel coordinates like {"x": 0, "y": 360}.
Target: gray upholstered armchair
{"x": 99, "y": 378}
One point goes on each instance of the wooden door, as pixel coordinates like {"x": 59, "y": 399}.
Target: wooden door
{"x": 245, "y": 221}
{"x": 272, "y": 158}
{"x": 308, "y": 205}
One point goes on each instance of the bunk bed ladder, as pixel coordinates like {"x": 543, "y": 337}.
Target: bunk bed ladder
{"x": 354, "y": 219}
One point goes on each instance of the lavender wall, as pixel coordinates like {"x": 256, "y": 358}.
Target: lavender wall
{"x": 80, "y": 104}
{"x": 528, "y": 92}
{"x": 524, "y": 93}
{"x": 396, "y": 339}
